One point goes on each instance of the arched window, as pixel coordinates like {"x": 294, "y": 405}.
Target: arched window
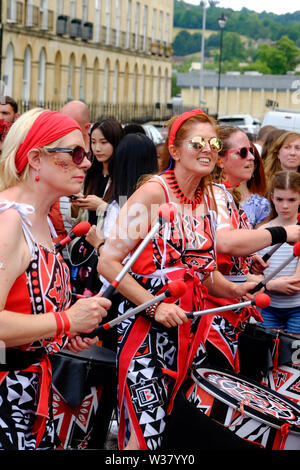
{"x": 71, "y": 71}
{"x": 96, "y": 81}
{"x": 106, "y": 82}
{"x": 57, "y": 74}
{"x": 135, "y": 84}
{"x": 82, "y": 79}
{"x": 8, "y": 76}
{"x": 26, "y": 83}
{"x": 41, "y": 78}
{"x": 116, "y": 83}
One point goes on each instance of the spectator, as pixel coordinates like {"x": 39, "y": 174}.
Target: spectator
{"x": 270, "y": 138}
{"x": 261, "y": 137}
{"x": 8, "y": 109}
{"x": 284, "y": 289}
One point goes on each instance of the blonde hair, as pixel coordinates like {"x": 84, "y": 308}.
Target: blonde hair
{"x": 16, "y": 135}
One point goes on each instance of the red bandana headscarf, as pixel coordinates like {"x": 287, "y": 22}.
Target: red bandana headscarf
{"x": 179, "y": 121}
{"x": 48, "y": 127}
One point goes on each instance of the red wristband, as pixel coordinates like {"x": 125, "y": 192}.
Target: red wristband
{"x": 66, "y": 322}
{"x": 59, "y": 324}
{"x": 150, "y": 311}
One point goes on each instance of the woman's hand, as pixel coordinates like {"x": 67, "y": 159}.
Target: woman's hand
{"x": 86, "y": 314}
{"x": 288, "y": 285}
{"x": 93, "y": 237}
{"x": 90, "y": 202}
{"x": 78, "y": 344}
{"x": 170, "y": 315}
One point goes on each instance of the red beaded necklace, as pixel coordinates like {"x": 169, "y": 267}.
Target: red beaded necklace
{"x": 171, "y": 179}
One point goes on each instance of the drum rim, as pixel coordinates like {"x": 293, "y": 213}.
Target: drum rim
{"x": 248, "y": 410}
{"x": 84, "y": 355}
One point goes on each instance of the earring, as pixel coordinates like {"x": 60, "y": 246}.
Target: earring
{"x": 37, "y": 178}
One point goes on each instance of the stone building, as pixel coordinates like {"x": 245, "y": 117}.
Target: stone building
{"x": 105, "y": 52}
{"x": 248, "y": 93}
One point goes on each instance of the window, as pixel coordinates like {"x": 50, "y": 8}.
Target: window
{"x": 70, "y": 78}
{"x": 167, "y": 29}
{"x": 29, "y": 13}
{"x": 41, "y": 79}
{"x": 26, "y": 82}
{"x": 11, "y": 13}
{"x": 116, "y": 83}
{"x": 160, "y": 24}
{"x": 8, "y": 76}
{"x": 128, "y": 24}
{"x": 84, "y": 11}
{"x": 108, "y": 17}
{"x": 145, "y": 27}
{"x": 97, "y": 20}
{"x": 137, "y": 26}
{"x": 106, "y": 82}
{"x": 154, "y": 25}
{"x": 72, "y": 9}
{"x": 118, "y": 22}
{"x": 44, "y": 14}
{"x": 59, "y": 7}
{"x": 82, "y": 79}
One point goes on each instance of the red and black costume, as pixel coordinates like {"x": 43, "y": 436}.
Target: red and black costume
{"x": 153, "y": 360}
{"x": 25, "y": 374}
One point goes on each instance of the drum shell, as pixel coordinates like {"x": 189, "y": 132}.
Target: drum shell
{"x": 252, "y": 426}
{"x": 84, "y": 396}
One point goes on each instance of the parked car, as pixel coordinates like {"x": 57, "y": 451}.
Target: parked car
{"x": 286, "y": 120}
{"x": 246, "y": 122}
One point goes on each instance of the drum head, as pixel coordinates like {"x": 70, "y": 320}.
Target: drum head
{"x": 251, "y": 398}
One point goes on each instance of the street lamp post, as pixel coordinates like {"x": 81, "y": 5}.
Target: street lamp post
{"x": 222, "y": 23}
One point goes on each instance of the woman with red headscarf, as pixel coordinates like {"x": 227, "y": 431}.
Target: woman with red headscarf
{"x": 157, "y": 347}
{"x": 43, "y": 158}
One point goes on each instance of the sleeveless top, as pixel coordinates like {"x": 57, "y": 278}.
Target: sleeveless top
{"x": 234, "y": 268}
{"x": 45, "y": 284}
{"x": 188, "y": 242}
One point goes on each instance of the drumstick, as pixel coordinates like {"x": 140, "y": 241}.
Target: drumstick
{"x": 166, "y": 213}
{"x": 260, "y": 285}
{"x": 175, "y": 289}
{"x": 275, "y": 247}
{"x": 260, "y": 300}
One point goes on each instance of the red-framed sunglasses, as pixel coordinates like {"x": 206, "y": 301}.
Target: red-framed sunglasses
{"x": 78, "y": 153}
{"x": 243, "y": 151}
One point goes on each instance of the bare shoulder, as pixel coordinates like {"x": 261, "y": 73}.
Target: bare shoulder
{"x": 151, "y": 191}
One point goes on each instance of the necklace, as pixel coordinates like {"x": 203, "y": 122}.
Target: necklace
{"x": 171, "y": 179}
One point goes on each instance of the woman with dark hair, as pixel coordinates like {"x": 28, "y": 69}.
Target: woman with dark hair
{"x": 104, "y": 138}
{"x": 256, "y": 206}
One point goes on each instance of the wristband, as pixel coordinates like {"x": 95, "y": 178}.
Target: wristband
{"x": 66, "y": 322}
{"x": 150, "y": 311}
{"x": 98, "y": 247}
{"x": 278, "y": 234}
{"x": 59, "y": 324}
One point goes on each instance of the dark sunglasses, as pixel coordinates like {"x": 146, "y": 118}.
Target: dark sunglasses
{"x": 243, "y": 152}
{"x": 78, "y": 153}
{"x": 198, "y": 143}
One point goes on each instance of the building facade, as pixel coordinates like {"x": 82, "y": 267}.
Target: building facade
{"x": 105, "y": 52}
{"x": 240, "y": 93}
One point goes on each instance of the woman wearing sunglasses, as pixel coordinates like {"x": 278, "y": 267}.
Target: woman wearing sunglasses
{"x": 156, "y": 348}
{"x": 43, "y": 159}
{"x": 236, "y": 242}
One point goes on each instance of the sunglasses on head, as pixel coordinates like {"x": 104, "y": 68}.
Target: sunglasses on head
{"x": 198, "y": 143}
{"x": 78, "y": 153}
{"x": 243, "y": 151}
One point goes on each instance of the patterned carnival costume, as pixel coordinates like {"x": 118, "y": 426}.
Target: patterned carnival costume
{"x": 25, "y": 377}
{"x": 221, "y": 331}
{"x": 153, "y": 360}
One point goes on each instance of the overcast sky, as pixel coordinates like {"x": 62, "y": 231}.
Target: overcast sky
{"x": 287, "y": 6}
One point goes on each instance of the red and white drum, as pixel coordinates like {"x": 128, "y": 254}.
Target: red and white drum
{"x": 272, "y": 358}
{"x": 249, "y": 410}
{"x": 84, "y": 396}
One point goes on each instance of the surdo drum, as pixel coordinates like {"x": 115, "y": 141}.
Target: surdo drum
{"x": 272, "y": 358}
{"x": 250, "y": 411}
{"x": 84, "y": 397}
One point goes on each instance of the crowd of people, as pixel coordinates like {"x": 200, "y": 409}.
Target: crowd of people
{"x": 234, "y": 199}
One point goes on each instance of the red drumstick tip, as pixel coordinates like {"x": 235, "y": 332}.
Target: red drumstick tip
{"x": 81, "y": 229}
{"x": 296, "y": 249}
{"x": 167, "y": 211}
{"x": 262, "y": 300}
{"x": 177, "y": 289}
{"x": 298, "y": 218}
